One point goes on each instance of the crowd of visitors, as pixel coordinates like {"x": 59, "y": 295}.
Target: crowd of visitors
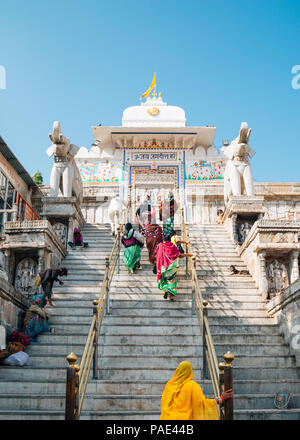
{"x": 163, "y": 244}
{"x": 182, "y": 398}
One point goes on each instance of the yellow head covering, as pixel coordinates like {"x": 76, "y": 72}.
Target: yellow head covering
{"x": 183, "y": 373}
{"x": 183, "y": 399}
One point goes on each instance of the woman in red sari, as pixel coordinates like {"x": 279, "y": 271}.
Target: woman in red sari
{"x": 154, "y": 235}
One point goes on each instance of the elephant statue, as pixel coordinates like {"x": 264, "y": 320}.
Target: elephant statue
{"x": 238, "y": 174}
{"x": 65, "y": 173}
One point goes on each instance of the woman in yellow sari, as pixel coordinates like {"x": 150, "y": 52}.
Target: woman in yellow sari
{"x": 183, "y": 398}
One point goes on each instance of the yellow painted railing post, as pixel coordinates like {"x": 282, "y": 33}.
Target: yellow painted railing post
{"x": 95, "y": 356}
{"x": 71, "y": 388}
{"x": 228, "y": 384}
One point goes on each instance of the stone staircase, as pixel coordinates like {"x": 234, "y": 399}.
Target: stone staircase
{"x": 239, "y": 323}
{"x": 145, "y": 337}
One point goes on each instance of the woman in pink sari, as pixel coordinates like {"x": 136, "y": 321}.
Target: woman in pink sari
{"x": 167, "y": 255}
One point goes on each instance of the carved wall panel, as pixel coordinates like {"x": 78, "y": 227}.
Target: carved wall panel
{"x": 277, "y": 274}
{"x": 26, "y": 273}
{"x": 61, "y": 231}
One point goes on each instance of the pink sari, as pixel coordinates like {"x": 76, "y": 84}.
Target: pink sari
{"x": 165, "y": 254}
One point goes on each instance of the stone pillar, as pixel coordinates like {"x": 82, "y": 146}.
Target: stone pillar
{"x": 8, "y": 264}
{"x": 234, "y": 232}
{"x": 41, "y": 260}
{"x": 70, "y": 230}
{"x": 294, "y": 266}
{"x": 263, "y": 280}
{"x": 15, "y": 213}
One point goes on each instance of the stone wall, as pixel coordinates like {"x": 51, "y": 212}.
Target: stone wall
{"x": 271, "y": 253}
{"x": 12, "y": 302}
{"x": 286, "y": 308}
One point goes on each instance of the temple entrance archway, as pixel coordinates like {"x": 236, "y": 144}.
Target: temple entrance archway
{"x": 156, "y": 183}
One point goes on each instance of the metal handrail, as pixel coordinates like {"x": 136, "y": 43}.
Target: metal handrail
{"x": 78, "y": 375}
{"x": 216, "y": 370}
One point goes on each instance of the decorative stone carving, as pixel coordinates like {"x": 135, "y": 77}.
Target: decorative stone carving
{"x": 61, "y": 231}
{"x": 26, "y": 273}
{"x": 243, "y": 229}
{"x": 238, "y": 171}
{"x": 277, "y": 278}
{"x": 64, "y": 167}
{"x": 263, "y": 281}
{"x": 294, "y": 266}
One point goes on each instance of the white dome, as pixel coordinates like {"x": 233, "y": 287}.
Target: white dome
{"x": 154, "y": 113}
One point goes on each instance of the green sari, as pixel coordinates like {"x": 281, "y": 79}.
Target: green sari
{"x": 168, "y": 280}
{"x": 132, "y": 254}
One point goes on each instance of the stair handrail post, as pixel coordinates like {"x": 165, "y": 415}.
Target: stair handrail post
{"x": 193, "y": 286}
{"x": 107, "y": 263}
{"x": 204, "y": 344}
{"x": 228, "y": 384}
{"x": 95, "y": 355}
{"x": 119, "y": 249}
{"x": 71, "y": 388}
{"x": 184, "y": 234}
{"x": 221, "y": 385}
{"x": 129, "y": 203}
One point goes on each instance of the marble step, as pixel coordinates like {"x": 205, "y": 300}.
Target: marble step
{"x": 155, "y": 313}
{"x": 129, "y": 402}
{"x": 136, "y": 373}
{"x": 127, "y": 329}
{"x": 123, "y": 320}
{"x": 115, "y": 387}
{"x": 106, "y": 349}
{"x": 130, "y": 348}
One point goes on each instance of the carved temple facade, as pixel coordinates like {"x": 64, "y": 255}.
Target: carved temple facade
{"x": 151, "y": 153}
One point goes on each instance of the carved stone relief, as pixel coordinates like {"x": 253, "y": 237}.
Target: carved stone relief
{"x": 61, "y": 231}
{"x": 26, "y": 273}
{"x": 278, "y": 279}
{"x": 243, "y": 226}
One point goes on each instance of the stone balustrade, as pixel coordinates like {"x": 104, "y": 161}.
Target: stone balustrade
{"x": 286, "y": 308}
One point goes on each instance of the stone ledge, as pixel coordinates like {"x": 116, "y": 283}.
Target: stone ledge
{"x": 290, "y": 294}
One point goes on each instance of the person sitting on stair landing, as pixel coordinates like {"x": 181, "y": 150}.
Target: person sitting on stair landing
{"x": 77, "y": 240}
{"x": 47, "y": 279}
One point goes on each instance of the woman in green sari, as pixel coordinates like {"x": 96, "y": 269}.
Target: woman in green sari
{"x": 132, "y": 241}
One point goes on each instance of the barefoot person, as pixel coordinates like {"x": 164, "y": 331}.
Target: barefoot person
{"x": 183, "y": 399}
{"x": 47, "y": 279}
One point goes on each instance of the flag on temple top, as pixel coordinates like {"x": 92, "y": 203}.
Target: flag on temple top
{"x": 153, "y": 84}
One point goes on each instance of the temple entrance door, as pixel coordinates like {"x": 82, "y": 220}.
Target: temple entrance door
{"x": 157, "y": 184}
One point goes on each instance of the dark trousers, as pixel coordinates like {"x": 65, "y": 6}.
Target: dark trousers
{"x": 47, "y": 290}
{"x": 70, "y": 243}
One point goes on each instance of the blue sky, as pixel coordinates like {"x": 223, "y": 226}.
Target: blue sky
{"x": 84, "y": 62}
